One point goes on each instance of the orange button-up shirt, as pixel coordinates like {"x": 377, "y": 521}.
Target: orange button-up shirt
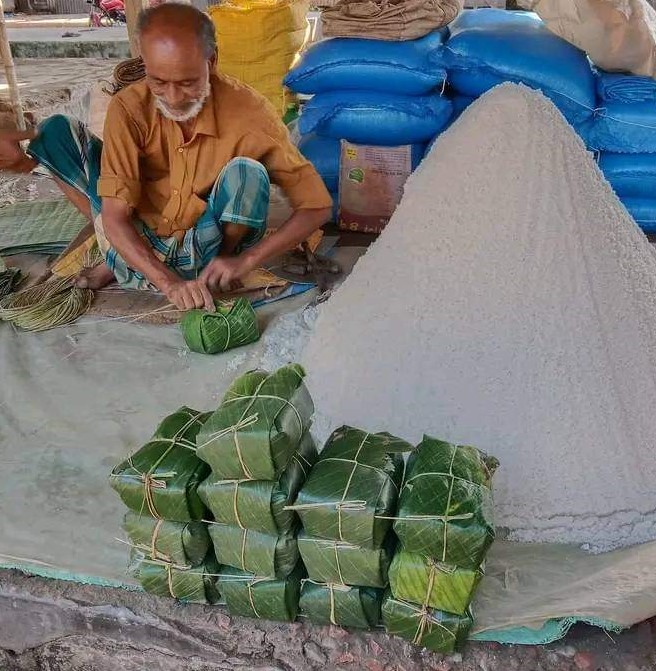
{"x": 147, "y": 163}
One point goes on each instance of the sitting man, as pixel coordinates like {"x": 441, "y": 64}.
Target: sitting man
{"x": 179, "y": 191}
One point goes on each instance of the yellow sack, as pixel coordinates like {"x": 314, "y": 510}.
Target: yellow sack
{"x": 258, "y": 41}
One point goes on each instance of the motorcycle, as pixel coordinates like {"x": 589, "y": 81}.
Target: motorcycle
{"x": 105, "y": 13}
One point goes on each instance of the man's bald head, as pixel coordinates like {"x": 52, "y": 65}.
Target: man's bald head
{"x": 178, "y": 23}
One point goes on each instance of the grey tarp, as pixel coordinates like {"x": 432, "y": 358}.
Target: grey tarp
{"x": 77, "y": 400}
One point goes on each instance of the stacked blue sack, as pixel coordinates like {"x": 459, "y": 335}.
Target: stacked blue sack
{"x": 624, "y": 132}
{"x": 487, "y": 47}
{"x": 369, "y": 92}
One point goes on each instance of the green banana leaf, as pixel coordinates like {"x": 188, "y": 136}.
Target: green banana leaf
{"x": 259, "y": 505}
{"x": 445, "y": 507}
{"x": 248, "y": 595}
{"x": 232, "y": 325}
{"x": 258, "y": 426}
{"x": 252, "y": 551}
{"x": 331, "y": 561}
{"x": 426, "y": 627}
{"x": 341, "y": 605}
{"x": 182, "y": 543}
{"x": 185, "y": 583}
{"x": 352, "y": 491}
{"x": 418, "y": 579}
{"x": 161, "y": 479}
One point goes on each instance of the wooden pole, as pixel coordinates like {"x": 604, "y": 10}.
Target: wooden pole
{"x": 132, "y": 9}
{"x": 10, "y": 72}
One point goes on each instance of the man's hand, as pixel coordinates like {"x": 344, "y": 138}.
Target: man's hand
{"x": 12, "y": 156}
{"x": 224, "y": 272}
{"x": 189, "y": 294}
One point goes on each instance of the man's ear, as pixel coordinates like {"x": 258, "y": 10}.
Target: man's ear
{"x": 213, "y": 61}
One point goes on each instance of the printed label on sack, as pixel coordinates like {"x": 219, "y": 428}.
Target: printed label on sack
{"x": 371, "y": 184}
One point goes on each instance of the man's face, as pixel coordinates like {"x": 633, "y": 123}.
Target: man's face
{"x": 178, "y": 76}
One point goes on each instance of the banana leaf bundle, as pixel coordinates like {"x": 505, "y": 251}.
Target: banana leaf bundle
{"x": 232, "y": 325}
{"x": 341, "y": 605}
{"x": 196, "y": 584}
{"x": 445, "y": 508}
{"x": 258, "y": 427}
{"x": 259, "y": 505}
{"x": 162, "y": 478}
{"x": 254, "y": 552}
{"x": 419, "y": 579}
{"x": 182, "y": 543}
{"x": 331, "y": 561}
{"x": 352, "y": 491}
{"x": 427, "y": 627}
{"x": 248, "y": 595}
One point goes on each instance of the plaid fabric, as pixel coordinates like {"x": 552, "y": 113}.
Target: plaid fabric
{"x": 240, "y": 195}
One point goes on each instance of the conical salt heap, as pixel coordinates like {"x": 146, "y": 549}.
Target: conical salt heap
{"x": 510, "y": 304}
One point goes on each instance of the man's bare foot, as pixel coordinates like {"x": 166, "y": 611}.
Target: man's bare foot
{"x": 94, "y": 278}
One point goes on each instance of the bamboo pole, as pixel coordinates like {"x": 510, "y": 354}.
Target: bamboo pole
{"x": 10, "y": 72}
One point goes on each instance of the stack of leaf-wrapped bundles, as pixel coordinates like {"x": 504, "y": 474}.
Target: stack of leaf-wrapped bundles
{"x": 444, "y": 523}
{"x": 171, "y": 548}
{"x": 259, "y": 447}
{"x": 347, "y": 507}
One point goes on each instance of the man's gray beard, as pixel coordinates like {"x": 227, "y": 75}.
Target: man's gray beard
{"x": 194, "y": 110}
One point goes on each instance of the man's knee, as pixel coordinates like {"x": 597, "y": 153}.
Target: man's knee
{"x": 242, "y": 165}
{"x": 55, "y": 125}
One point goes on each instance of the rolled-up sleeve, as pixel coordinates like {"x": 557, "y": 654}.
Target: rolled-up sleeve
{"x": 119, "y": 172}
{"x": 288, "y": 169}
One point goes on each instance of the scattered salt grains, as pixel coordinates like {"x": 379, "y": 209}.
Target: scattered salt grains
{"x": 509, "y": 304}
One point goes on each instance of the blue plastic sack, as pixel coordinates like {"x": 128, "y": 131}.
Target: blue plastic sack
{"x": 643, "y": 210}
{"x": 370, "y": 65}
{"x": 323, "y": 153}
{"x": 371, "y": 117}
{"x": 460, "y": 104}
{"x": 624, "y": 128}
{"x": 617, "y": 87}
{"x": 490, "y": 46}
{"x": 630, "y": 175}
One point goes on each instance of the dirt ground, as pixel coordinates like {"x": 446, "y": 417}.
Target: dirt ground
{"x": 48, "y": 625}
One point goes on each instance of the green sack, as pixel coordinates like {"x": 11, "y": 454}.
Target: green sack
{"x": 232, "y": 325}
{"x": 341, "y": 605}
{"x": 182, "y": 543}
{"x": 445, "y": 507}
{"x": 260, "y": 504}
{"x": 352, "y": 490}
{"x": 264, "y": 598}
{"x": 426, "y": 627}
{"x": 258, "y": 426}
{"x": 261, "y": 554}
{"x": 185, "y": 583}
{"x": 161, "y": 479}
{"x": 416, "y": 578}
{"x": 331, "y": 561}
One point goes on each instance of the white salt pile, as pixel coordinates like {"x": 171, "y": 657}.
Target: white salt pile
{"x": 510, "y": 304}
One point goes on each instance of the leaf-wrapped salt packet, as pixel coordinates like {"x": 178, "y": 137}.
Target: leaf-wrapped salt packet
{"x": 192, "y": 584}
{"x": 258, "y": 426}
{"x": 249, "y": 595}
{"x": 341, "y": 605}
{"x": 419, "y": 579}
{"x": 259, "y": 505}
{"x": 426, "y": 627}
{"x": 352, "y": 490}
{"x": 445, "y": 508}
{"x": 232, "y": 325}
{"x": 255, "y": 552}
{"x": 331, "y": 561}
{"x": 182, "y": 543}
{"x": 161, "y": 479}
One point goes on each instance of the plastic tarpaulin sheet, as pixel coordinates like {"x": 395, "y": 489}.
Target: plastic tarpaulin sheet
{"x": 77, "y": 400}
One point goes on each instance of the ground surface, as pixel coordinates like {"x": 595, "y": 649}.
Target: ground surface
{"x": 57, "y": 626}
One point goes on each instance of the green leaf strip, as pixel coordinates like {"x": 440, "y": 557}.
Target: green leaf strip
{"x": 425, "y": 619}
